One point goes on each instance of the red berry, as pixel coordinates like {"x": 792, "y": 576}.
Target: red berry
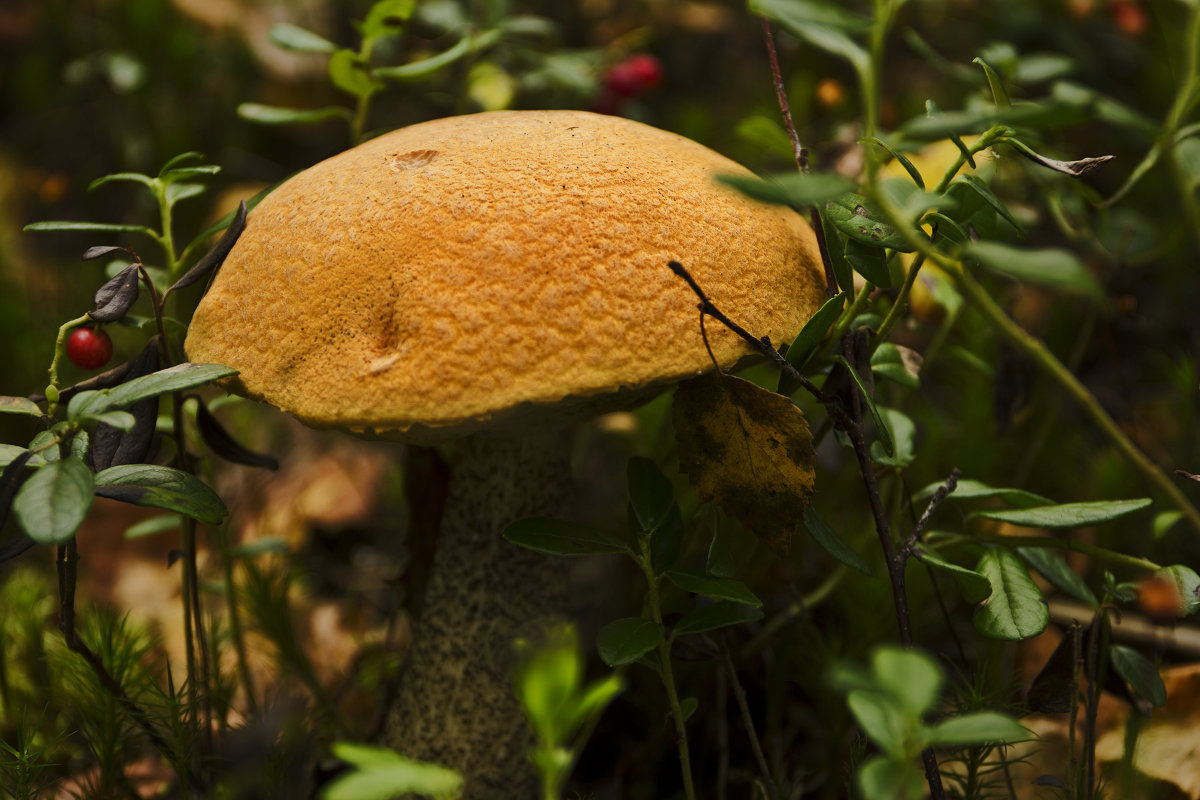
{"x": 89, "y": 348}
{"x": 634, "y": 75}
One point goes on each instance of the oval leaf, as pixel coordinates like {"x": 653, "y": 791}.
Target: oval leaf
{"x": 53, "y": 503}
{"x": 716, "y": 615}
{"x": 978, "y": 728}
{"x": 833, "y": 544}
{"x": 1015, "y": 609}
{"x": 697, "y": 582}
{"x": 1058, "y": 269}
{"x": 651, "y": 494}
{"x": 275, "y": 115}
{"x": 20, "y": 405}
{"x": 859, "y": 218}
{"x": 1056, "y": 570}
{"x": 793, "y": 189}
{"x": 1141, "y": 675}
{"x": 299, "y": 40}
{"x": 161, "y": 487}
{"x": 626, "y": 640}
{"x": 116, "y": 296}
{"x": 173, "y": 379}
{"x": 1067, "y": 515}
{"x": 559, "y": 538}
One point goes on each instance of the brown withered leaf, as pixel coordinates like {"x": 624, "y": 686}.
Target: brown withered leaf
{"x": 748, "y": 450}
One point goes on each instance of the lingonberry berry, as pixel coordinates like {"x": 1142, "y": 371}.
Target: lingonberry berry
{"x": 634, "y": 75}
{"x": 89, "y": 348}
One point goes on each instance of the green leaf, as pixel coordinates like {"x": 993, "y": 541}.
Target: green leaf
{"x": 791, "y": 189}
{"x": 131, "y": 177}
{"x": 1141, "y": 675}
{"x": 806, "y": 342}
{"x": 182, "y": 191}
{"x": 881, "y": 719}
{"x": 381, "y": 774}
{"x": 881, "y": 430}
{"x": 860, "y": 219}
{"x": 153, "y": 525}
{"x": 91, "y": 227}
{"x": 968, "y": 489}
{"x": 1059, "y": 269}
{"x": 267, "y": 544}
{"x": 175, "y": 161}
{"x": 716, "y": 615}
{"x": 901, "y": 366}
{"x": 1186, "y": 583}
{"x": 350, "y": 73}
{"x": 902, "y": 432}
{"x": 173, "y": 379}
{"x": 1044, "y": 114}
{"x": 833, "y": 544}
{"x": 1015, "y": 609}
{"x": 869, "y": 261}
{"x": 999, "y": 94}
{"x": 835, "y": 246}
{"x": 299, "y": 40}
{"x": 121, "y": 420}
{"x": 161, "y": 487}
{"x": 897, "y": 778}
{"x": 387, "y": 17}
{"x": 8, "y": 452}
{"x": 666, "y": 541}
{"x": 274, "y": 115}
{"x": 626, "y": 640}
{"x": 975, "y": 588}
{"x": 821, "y": 25}
{"x": 911, "y": 677}
{"x": 53, "y": 503}
{"x": 983, "y": 727}
{"x": 695, "y": 581}
{"x": 559, "y": 538}
{"x": 20, "y": 405}
{"x": 419, "y": 70}
{"x": 765, "y": 133}
{"x": 651, "y": 494}
{"x": 901, "y": 159}
{"x": 1056, "y": 570}
{"x": 1067, "y": 515}
{"x": 985, "y": 193}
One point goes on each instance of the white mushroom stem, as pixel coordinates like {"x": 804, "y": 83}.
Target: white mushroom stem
{"x": 457, "y": 704}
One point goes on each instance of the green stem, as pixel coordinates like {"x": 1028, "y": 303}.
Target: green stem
{"x": 898, "y": 307}
{"x": 668, "y": 675}
{"x": 59, "y": 349}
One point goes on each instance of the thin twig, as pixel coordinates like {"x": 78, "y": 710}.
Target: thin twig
{"x": 739, "y": 694}
{"x": 942, "y": 491}
{"x": 800, "y": 151}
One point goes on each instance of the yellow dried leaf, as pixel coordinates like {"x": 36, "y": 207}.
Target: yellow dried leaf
{"x": 748, "y": 450}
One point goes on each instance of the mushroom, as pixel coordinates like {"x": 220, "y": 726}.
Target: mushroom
{"x": 487, "y": 280}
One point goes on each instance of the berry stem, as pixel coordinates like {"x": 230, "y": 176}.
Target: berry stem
{"x": 59, "y": 349}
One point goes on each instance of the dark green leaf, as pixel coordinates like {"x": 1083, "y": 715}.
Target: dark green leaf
{"x": 901, "y": 432}
{"x": 626, "y": 640}
{"x": 859, "y": 218}
{"x": 299, "y": 40}
{"x": 881, "y": 430}
{"x": 216, "y": 256}
{"x": 418, "y": 70}
{"x": 1015, "y": 609}
{"x": 91, "y": 227}
{"x": 985, "y": 193}
{"x": 560, "y": 538}
{"x": 1141, "y": 675}
{"x": 222, "y": 443}
{"x": 173, "y": 379}
{"x": 275, "y": 115}
{"x": 1067, "y": 515}
{"x": 153, "y": 525}
{"x": 869, "y": 261}
{"x": 651, "y": 494}
{"x": 835, "y": 246}
{"x": 897, "y": 364}
{"x": 161, "y": 487}
{"x": 381, "y": 774}
{"x": 810, "y": 336}
{"x": 967, "y": 489}
{"x": 1056, "y": 570}
{"x": 833, "y": 544}
{"x": 954, "y": 123}
{"x": 791, "y": 189}
{"x": 11, "y": 452}
{"x": 697, "y": 582}
{"x": 666, "y": 541}
{"x": 716, "y": 615}
{"x": 53, "y": 503}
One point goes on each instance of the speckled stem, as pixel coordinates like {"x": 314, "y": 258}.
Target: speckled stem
{"x": 457, "y": 705}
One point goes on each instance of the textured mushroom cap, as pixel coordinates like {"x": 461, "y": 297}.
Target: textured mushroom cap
{"x": 495, "y": 270}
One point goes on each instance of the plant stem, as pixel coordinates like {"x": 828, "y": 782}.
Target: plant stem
{"x": 668, "y": 675}
{"x": 59, "y": 349}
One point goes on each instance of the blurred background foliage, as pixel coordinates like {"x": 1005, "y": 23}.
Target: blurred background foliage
{"x": 90, "y": 87}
